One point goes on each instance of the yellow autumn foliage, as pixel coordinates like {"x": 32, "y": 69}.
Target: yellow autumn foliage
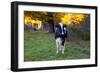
{"x": 66, "y": 18}
{"x": 71, "y": 18}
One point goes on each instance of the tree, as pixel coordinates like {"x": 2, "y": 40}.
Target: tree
{"x": 51, "y": 22}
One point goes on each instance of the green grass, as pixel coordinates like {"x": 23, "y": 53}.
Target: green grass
{"x": 40, "y": 46}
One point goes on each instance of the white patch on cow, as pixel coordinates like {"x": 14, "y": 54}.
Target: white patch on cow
{"x": 65, "y": 28}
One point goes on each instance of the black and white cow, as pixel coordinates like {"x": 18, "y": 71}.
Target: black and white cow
{"x": 60, "y": 35}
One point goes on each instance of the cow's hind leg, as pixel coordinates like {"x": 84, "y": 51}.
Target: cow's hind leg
{"x": 63, "y": 46}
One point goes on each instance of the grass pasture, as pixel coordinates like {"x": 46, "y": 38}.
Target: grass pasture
{"x": 40, "y": 46}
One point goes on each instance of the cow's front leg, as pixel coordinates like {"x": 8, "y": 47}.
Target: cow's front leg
{"x": 57, "y": 47}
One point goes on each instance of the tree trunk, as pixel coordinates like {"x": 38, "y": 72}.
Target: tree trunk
{"x": 51, "y": 23}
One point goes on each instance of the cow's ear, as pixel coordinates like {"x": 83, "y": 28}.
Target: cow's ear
{"x": 55, "y": 25}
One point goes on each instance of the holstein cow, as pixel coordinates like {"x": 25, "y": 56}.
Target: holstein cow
{"x": 60, "y": 35}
